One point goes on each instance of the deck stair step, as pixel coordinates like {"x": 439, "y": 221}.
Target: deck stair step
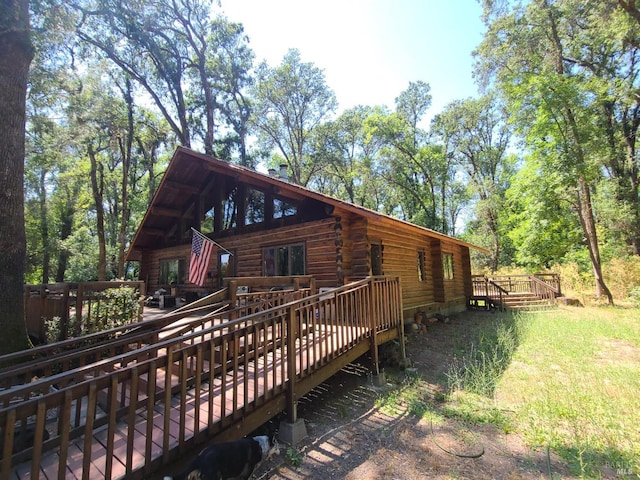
{"x": 526, "y": 301}
{"x": 515, "y": 301}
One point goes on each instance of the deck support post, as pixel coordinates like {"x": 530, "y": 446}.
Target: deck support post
{"x": 292, "y": 370}
{"x": 292, "y": 433}
{"x": 293, "y": 430}
{"x": 375, "y": 311}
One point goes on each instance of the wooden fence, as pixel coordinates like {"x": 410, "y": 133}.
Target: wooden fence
{"x": 71, "y": 304}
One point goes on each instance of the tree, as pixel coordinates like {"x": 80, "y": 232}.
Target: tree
{"x": 476, "y": 135}
{"x": 292, "y": 100}
{"x": 550, "y": 98}
{"x": 409, "y": 162}
{"x": 16, "y": 53}
{"x": 541, "y": 223}
{"x": 351, "y": 172}
{"x": 229, "y": 68}
{"x": 192, "y": 66}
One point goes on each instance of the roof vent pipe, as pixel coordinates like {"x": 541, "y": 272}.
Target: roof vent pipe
{"x": 272, "y": 172}
{"x": 283, "y": 171}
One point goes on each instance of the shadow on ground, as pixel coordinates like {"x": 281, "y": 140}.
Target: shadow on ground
{"x": 352, "y": 437}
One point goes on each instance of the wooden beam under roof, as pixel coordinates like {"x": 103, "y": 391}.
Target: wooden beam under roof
{"x": 166, "y": 212}
{"x": 155, "y": 232}
{"x": 182, "y": 187}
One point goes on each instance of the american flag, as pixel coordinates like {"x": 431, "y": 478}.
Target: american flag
{"x": 201, "y": 250}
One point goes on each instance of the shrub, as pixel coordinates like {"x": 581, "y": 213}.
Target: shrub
{"x": 634, "y": 296}
{"x": 110, "y": 308}
{"x": 621, "y": 275}
{"x": 114, "y": 307}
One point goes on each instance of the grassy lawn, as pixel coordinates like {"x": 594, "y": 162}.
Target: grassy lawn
{"x": 566, "y": 380}
{"x": 574, "y": 384}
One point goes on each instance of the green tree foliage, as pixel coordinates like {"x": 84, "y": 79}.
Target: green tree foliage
{"x": 540, "y": 220}
{"x": 574, "y": 98}
{"x": 291, "y": 101}
{"x": 476, "y": 135}
{"x": 417, "y": 169}
{"x": 351, "y": 171}
{"x": 192, "y": 66}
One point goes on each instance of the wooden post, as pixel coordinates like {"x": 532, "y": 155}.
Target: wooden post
{"x": 64, "y": 320}
{"x": 233, "y": 296}
{"x": 292, "y": 407}
{"x": 398, "y": 300}
{"x": 79, "y": 304}
{"x": 43, "y": 302}
{"x": 293, "y": 430}
{"x": 374, "y": 311}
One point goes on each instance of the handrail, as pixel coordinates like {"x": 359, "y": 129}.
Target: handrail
{"x": 502, "y": 290}
{"x": 518, "y": 283}
{"x": 121, "y": 337}
{"x": 547, "y": 292}
{"x": 556, "y": 279}
{"x": 26, "y": 362}
{"x": 37, "y": 358}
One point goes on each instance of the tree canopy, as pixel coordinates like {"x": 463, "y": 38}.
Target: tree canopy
{"x": 541, "y": 169}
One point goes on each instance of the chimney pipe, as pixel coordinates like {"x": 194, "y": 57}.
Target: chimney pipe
{"x": 272, "y": 172}
{"x": 283, "y": 172}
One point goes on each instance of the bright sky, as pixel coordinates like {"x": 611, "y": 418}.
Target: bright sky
{"x": 370, "y": 49}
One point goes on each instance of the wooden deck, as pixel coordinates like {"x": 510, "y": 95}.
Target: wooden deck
{"x": 514, "y": 291}
{"x": 124, "y": 416}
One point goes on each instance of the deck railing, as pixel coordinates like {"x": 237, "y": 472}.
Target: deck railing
{"x": 133, "y": 410}
{"x": 45, "y": 360}
{"x": 544, "y": 286}
{"x": 517, "y": 283}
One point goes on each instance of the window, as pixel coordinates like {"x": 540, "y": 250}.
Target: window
{"x": 173, "y": 272}
{"x": 447, "y": 266}
{"x": 283, "y": 260}
{"x": 226, "y": 265}
{"x": 230, "y": 211}
{"x": 421, "y": 270}
{"x": 207, "y": 223}
{"x": 254, "y": 211}
{"x": 283, "y": 209}
{"x": 376, "y": 259}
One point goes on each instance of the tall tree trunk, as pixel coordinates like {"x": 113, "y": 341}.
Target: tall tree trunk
{"x": 126, "y": 150}
{"x": 97, "y": 188}
{"x": 585, "y": 212}
{"x": 585, "y": 209}
{"x": 44, "y": 227}
{"x": 16, "y": 53}
{"x": 66, "y": 227}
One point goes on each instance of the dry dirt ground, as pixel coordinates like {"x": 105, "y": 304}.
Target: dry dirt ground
{"x": 349, "y": 437}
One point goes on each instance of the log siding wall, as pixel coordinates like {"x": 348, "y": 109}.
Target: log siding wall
{"x": 400, "y": 257}
{"x": 319, "y": 238}
{"x": 337, "y": 249}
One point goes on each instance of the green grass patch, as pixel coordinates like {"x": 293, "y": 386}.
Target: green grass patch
{"x": 567, "y": 380}
{"x": 407, "y": 395}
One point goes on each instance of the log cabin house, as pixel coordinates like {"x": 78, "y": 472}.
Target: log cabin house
{"x": 271, "y": 227}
